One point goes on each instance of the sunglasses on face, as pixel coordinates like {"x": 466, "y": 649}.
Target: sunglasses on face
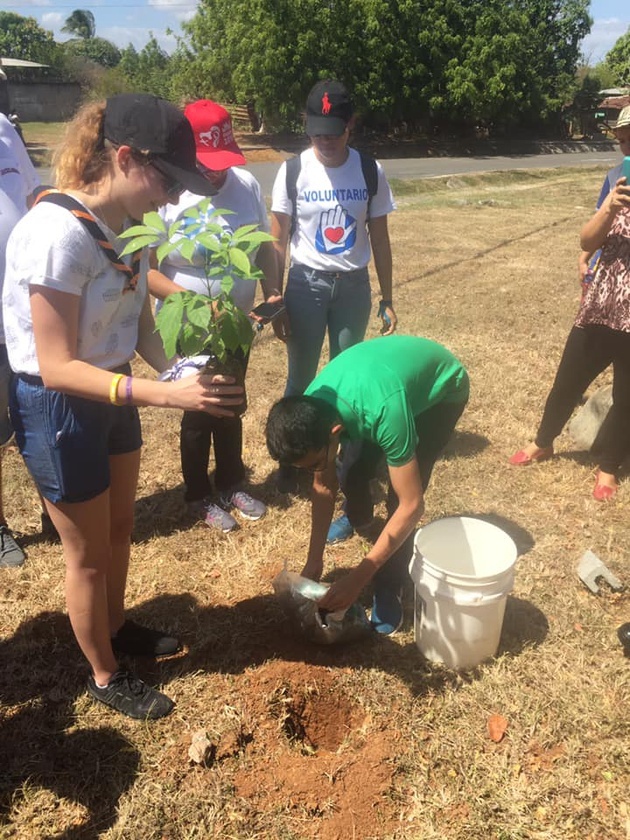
{"x": 172, "y": 188}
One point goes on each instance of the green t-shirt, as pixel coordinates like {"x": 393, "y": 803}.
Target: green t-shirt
{"x": 379, "y": 387}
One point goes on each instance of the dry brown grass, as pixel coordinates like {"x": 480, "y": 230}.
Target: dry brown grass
{"x": 370, "y": 741}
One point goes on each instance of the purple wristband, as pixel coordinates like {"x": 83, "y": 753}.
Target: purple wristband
{"x": 128, "y": 391}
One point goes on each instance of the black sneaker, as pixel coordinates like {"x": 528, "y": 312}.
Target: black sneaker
{"x": 134, "y": 640}
{"x": 132, "y": 697}
{"x": 11, "y": 555}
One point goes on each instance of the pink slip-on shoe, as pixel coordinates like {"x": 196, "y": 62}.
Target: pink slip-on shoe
{"x": 522, "y": 459}
{"x": 603, "y": 492}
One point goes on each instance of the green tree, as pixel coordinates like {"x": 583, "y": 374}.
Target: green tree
{"x": 80, "y": 23}
{"x": 98, "y": 50}
{"x": 456, "y": 64}
{"x": 22, "y": 37}
{"x": 147, "y": 71}
{"x": 618, "y": 60}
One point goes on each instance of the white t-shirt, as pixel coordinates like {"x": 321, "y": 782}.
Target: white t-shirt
{"x": 332, "y": 211}
{"x": 242, "y": 195}
{"x": 50, "y": 247}
{"x": 13, "y": 192}
{"x": 11, "y": 138}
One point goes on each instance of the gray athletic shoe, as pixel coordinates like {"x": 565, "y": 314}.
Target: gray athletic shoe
{"x": 213, "y": 515}
{"x": 248, "y": 507}
{"x": 11, "y": 555}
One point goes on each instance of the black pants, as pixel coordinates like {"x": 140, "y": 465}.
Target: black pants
{"x": 588, "y": 351}
{"x": 434, "y": 428}
{"x": 198, "y": 431}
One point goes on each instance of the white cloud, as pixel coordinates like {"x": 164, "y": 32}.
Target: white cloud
{"x": 603, "y": 35}
{"x": 172, "y": 5}
{"x": 52, "y": 20}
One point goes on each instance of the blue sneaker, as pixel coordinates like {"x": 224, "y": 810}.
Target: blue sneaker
{"x": 387, "y": 611}
{"x": 340, "y": 530}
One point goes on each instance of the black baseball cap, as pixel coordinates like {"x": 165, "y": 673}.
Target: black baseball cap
{"x": 329, "y": 109}
{"x": 150, "y": 124}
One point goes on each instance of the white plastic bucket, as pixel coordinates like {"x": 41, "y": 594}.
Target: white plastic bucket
{"x": 463, "y": 570}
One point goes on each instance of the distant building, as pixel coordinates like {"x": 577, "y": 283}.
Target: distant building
{"x": 609, "y": 107}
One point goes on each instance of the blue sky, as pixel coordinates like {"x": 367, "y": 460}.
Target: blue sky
{"x": 124, "y": 21}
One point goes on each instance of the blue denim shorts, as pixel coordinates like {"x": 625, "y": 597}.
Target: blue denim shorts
{"x": 6, "y": 374}
{"x": 66, "y": 441}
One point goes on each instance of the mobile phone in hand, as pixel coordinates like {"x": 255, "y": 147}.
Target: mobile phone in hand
{"x": 625, "y": 169}
{"x": 268, "y": 311}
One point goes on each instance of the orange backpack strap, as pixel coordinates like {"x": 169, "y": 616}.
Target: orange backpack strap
{"x": 91, "y": 225}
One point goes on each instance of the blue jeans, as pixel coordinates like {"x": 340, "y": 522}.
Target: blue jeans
{"x": 434, "y": 428}
{"x": 316, "y": 301}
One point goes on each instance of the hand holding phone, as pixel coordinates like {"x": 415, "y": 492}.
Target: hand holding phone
{"x": 625, "y": 169}
{"x": 266, "y": 312}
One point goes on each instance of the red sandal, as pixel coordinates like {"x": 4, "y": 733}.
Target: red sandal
{"x": 603, "y": 492}
{"x": 522, "y": 459}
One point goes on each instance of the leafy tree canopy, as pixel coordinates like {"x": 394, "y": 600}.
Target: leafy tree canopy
{"x": 457, "y": 63}
{"x": 22, "y": 37}
{"x": 148, "y": 71}
{"x": 99, "y": 50}
{"x": 618, "y": 60}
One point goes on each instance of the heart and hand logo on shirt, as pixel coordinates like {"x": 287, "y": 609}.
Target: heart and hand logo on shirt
{"x": 337, "y": 231}
{"x": 334, "y": 234}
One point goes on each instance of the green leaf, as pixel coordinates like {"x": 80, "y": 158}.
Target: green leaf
{"x": 244, "y": 231}
{"x": 137, "y": 244}
{"x": 201, "y": 316}
{"x": 209, "y": 241}
{"x": 186, "y": 248}
{"x": 155, "y": 221}
{"x": 165, "y": 249}
{"x": 239, "y": 259}
{"x": 227, "y": 284}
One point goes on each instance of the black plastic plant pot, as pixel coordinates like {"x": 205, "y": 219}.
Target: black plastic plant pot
{"x": 231, "y": 366}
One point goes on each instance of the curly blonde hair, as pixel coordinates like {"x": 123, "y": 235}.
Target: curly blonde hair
{"x": 84, "y": 157}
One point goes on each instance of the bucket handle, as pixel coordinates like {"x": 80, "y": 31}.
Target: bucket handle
{"x": 470, "y": 599}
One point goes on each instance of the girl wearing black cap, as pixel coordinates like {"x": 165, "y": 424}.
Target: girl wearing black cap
{"x": 332, "y": 224}
{"x": 75, "y": 315}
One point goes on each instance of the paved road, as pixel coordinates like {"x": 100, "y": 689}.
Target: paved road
{"x": 417, "y": 168}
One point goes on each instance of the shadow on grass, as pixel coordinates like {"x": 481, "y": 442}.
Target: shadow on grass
{"x": 524, "y": 626}
{"x": 464, "y": 445}
{"x": 39, "y": 744}
{"x": 43, "y": 674}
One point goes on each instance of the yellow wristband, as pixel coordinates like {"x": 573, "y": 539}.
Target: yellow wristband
{"x": 113, "y": 388}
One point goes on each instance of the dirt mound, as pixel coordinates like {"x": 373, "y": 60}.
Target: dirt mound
{"x": 300, "y": 746}
{"x": 315, "y": 754}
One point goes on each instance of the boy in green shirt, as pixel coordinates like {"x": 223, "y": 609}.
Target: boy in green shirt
{"x": 397, "y": 396}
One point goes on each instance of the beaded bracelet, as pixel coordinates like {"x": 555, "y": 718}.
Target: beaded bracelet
{"x": 386, "y": 303}
{"x": 113, "y": 388}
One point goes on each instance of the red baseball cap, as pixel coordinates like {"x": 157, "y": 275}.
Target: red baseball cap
{"x": 214, "y": 137}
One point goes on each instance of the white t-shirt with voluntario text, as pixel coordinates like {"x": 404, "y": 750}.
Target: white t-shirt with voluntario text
{"x": 332, "y": 212}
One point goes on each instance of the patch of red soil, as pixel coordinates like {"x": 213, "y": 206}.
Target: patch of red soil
{"x": 306, "y": 750}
